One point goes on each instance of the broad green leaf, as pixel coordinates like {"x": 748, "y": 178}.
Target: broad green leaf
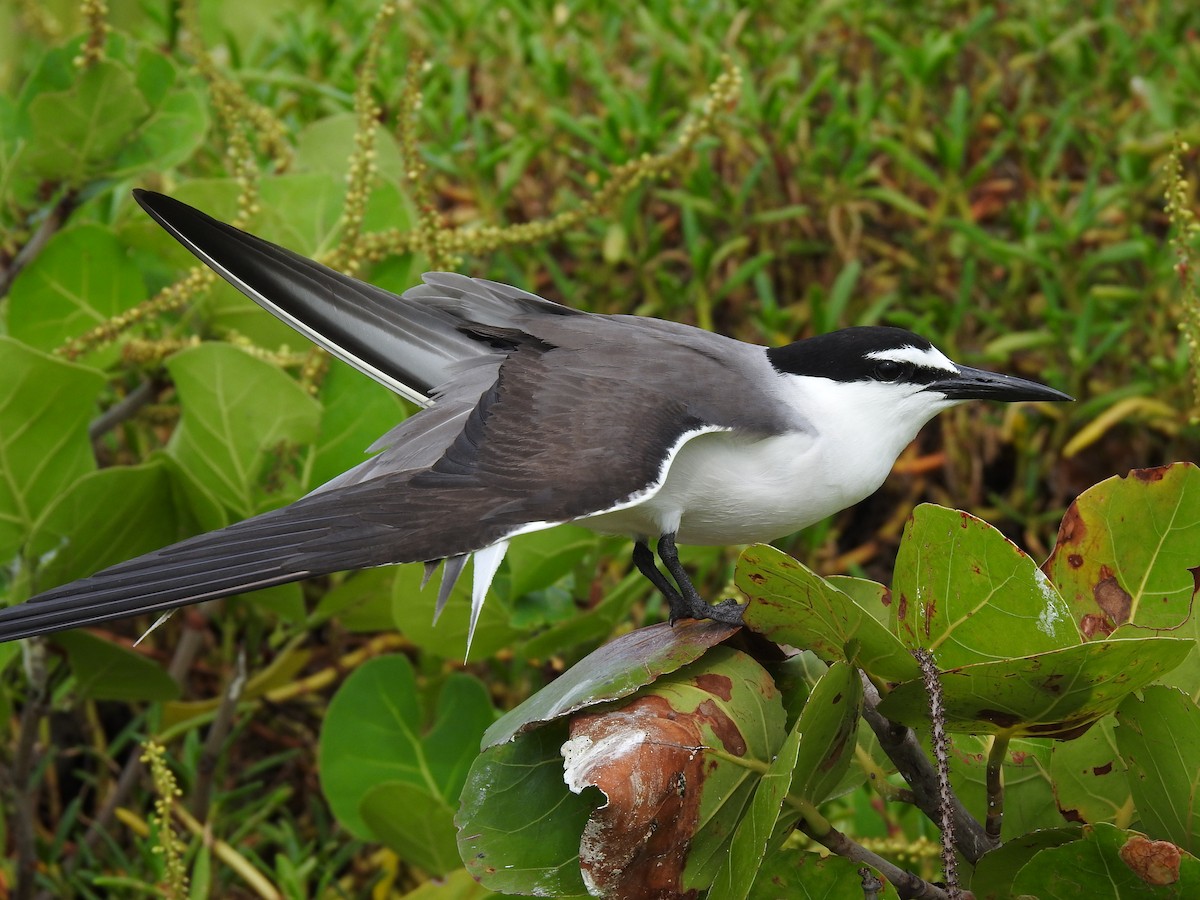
{"x": 964, "y": 591}
{"x": 1159, "y": 740}
{"x": 538, "y": 560}
{"x": 361, "y": 602}
{"x": 238, "y": 413}
{"x": 872, "y": 596}
{"x": 804, "y": 875}
{"x": 790, "y": 604}
{"x": 749, "y": 845}
{"x": 1028, "y": 795}
{"x": 1089, "y": 777}
{"x": 106, "y": 671}
{"x": 678, "y": 762}
{"x": 373, "y": 733}
{"x": 993, "y": 876}
{"x": 829, "y": 732}
{"x": 518, "y": 825}
{"x": 415, "y": 822}
{"x": 355, "y": 412}
{"x": 1054, "y": 694}
{"x": 77, "y": 131}
{"x": 44, "y": 446}
{"x": 612, "y": 672}
{"x": 412, "y": 613}
{"x": 457, "y": 885}
{"x": 326, "y": 144}
{"x": 106, "y": 517}
{"x": 177, "y": 123}
{"x": 1128, "y": 550}
{"x": 82, "y": 278}
{"x": 1107, "y": 863}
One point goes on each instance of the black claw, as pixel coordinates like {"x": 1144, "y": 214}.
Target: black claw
{"x": 685, "y": 601}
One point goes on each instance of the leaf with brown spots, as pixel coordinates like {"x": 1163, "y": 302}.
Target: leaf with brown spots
{"x": 1107, "y": 863}
{"x": 1056, "y": 694}
{"x": 791, "y": 604}
{"x": 1089, "y": 777}
{"x": 829, "y": 732}
{"x": 971, "y": 595}
{"x": 672, "y": 803}
{"x": 1159, "y": 740}
{"x": 1125, "y": 553}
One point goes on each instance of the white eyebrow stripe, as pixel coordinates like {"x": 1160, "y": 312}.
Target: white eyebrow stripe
{"x": 929, "y": 358}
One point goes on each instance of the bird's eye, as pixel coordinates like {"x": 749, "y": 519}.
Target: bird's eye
{"x": 889, "y": 370}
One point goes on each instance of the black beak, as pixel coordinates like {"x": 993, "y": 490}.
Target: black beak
{"x": 976, "y": 384}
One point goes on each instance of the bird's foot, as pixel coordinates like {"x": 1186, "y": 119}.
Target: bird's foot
{"x": 728, "y": 612}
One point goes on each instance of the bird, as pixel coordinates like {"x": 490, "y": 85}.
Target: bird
{"x": 536, "y": 414}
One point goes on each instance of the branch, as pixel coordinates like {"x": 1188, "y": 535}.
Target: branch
{"x": 24, "y": 763}
{"x": 903, "y": 749}
{"x": 55, "y": 219}
{"x": 941, "y": 755}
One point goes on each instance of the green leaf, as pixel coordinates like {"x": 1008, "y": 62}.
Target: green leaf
{"x": 177, "y": 124}
{"x": 77, "y": 131}
{"x": 1089, "y": 777}
{"x": 238, "y": 411}
{"x": 612, "y": 672}
{"x": 995, "y": 872}
{"x": 1053, "y": 694}
{"x": 749, "y": 845}
{"x": 518, "y": 825}
{"x": 361, "y": 602}
{"x": 1107, "y": 862}
{"x": 373, "y": 734}
{"x": 82, "y": 278}
{"x": 106, "y": 671}
{"x": 790, "y": 604}
{"x": 802, "y": 875}
{"x": 964, "y": 591}
{"x": 457, "y": 885}
{"x": 829, "y": 725}
{"x": 412, "y": 613}
{"x": 678, "y": 763}
{"x": 355, "y": 412}
{"x": 1127, "y": 551}
{"x": 104, "y": 518}
{"x": 44, "y": 446}
{"x": 1159, "y": 740}
{"x": 538, "y": 560}
{"x": 1028, "y": 795}
{"x": 413, "y": 821}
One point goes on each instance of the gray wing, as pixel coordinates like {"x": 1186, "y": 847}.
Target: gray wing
{"x": 541, "y": 416}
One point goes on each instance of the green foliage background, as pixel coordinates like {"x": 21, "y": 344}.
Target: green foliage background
{"x": 989, "y": 176}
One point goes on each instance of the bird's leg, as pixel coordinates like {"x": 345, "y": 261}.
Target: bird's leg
{"x": 643, "y": 558}
{"x": 691, "y": 604}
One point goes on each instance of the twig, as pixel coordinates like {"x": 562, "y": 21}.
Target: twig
{"x": 903, "y": 749}
{"x": 55, "y": 219}
{"x": 995, "y": 786}
{"x": 941, "y": 757}
{"x": 123, "y": 409}
{"x": 206, "y": 767}
{"x": 820, "y": 830}
{"x": 24, "y": 789}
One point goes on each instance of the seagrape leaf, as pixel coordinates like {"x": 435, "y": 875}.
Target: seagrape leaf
{"x": 612, "y": 672}
{"x": 966, "y": 592}
{"x": 1028, "y": 796}
{"x": 749, "y": 845}
{"x": 457, "y": 885}
{"x": 1055, "y": 694}
{"x": 1089, "y": 777}
{"x": 538, "y": 560}
{"x": 415, "y": 822}
{"x": 790, "y": 604}
{"x": 412, "y": 613}
{"x": 237, "y": 412}
{"x": 1107, "y": 863}
{"x": 106, "y": 671}
{"x": 374, "y": 734}
{"x": 670, "y": 764}
{"x": 104, "y": 518}
{"x": 44, "y": 446}
{"x": 995, "y": 872}
{"x": 803, "y": 875}
{"x": 82, "y": 278}
{"x": 77, "y": 130}
{"x": 1159, "y": 741}
{"x": 829, "y": 730}
{"x": 1127, "y": 549}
